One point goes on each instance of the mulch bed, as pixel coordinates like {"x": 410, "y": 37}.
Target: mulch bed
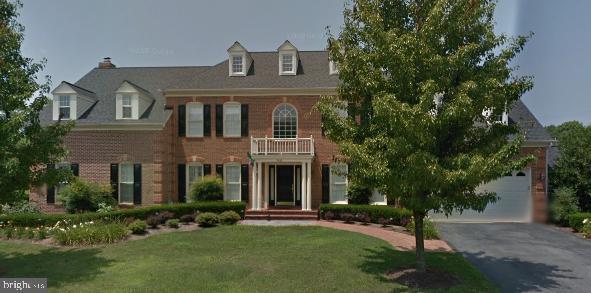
{"x": 431, "y": 279}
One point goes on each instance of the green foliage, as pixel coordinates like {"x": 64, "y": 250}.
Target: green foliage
{"x": 23, "y": 206}
{"x": 586, "y": 229}
{"x": 572, "y": 169}
{"x": 564, "y": 203}
{"x": 138, "y": 227}
{"x": 416, "y": 79}
{"x": 82, "y": 195}
{"x": 173, "y": 223}
{"x": 575, "y": 220}
{"x": 209, "y": 188}
{"x": 154, "y": 220}
{"x": 375, "y": 212}
{"x": 358, "y": 194}
{"x": 187, "y": 219}
{"x": 104, "y": 207}
{"x": 229, "y": 218}
{"x": 429, "y": 229}
{"x": 37, "y": 220}
{"x": 25, "y": 144}
{"x": 207, "y": 219}
{"x": 89, "y": 233}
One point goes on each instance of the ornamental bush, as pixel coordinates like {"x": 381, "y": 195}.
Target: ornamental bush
{"x": 429, "y": 229}
{"x": 586, "y": 228}
{"x": 85, "y": 196}
{"x": 575, "y": 220}
{"x": 229, "y": 218}
{"x": 208, "y": 188}
{"x": 89, "y": 233}
{"x": 187, "y": 219}
{"x": 19, "y": 207}
{"x": 358, "y": 194}
{"x": 138, "y": 227}
{"x": 207, "y": 219}
{"x": 172, "y": 223}
{"x": 154, "y": 220}
{"x": 564, "y": 203}
{"x": 395, "y": 216}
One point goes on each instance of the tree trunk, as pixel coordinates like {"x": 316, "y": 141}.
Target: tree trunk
{"x": 420, "y": 241}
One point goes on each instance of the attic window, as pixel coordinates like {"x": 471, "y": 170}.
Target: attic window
{"x": 126, "y": 112}
{"x": 287, "y": 63}
{"x": 64, "y": 107}
{"x": 237, "y": 64}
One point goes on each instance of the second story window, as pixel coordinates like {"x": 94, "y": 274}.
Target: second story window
{"x": 194, "y": 119}
{"x": 285, "y": 121}
{"x": 126, "y": 112}
{"x": 64, "y": 107}
{"x": 231, "y": 119}
{"x": 237, "y": 64}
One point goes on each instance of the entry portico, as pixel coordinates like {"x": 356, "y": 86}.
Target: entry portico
{"x": 282, "y": 172}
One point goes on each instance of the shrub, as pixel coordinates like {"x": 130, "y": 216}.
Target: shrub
{"x": 172, "y": 223}
{"x": 383, "y": 222}
{"x": 207, "y": 219}
{"x": 586, "y": 229}
{"x": 575, "y": 220}
{"x": 89, "y": 233}
{"x": 153, "y": 221}
{"x": 41, "y": 234}
{"x": 128, "y": 220}
{"x": 229, "y": 218}
{"x": 209, "y": 188}
{"x": 328, "y": 215}
{"x": 358, "y": 194}
{"x": 364, "y": 218}
{"x": 564, "y": 203}
{"x": 104, "y": 207}
{"x": 395, "y": 215}
{"x": 81, "y": 195}
{"x": 138, "y": 227}
{"x": 38, "y": 220}
{"x": 429, "y": 229}
{"x": 29, "y": 233}
{"x": 19, "y": 207}
{"x": 165, "y": 216}
{"x": 187, "y": 219}
{"x": 20, "y": 232}
{"x": 347, "y": 217}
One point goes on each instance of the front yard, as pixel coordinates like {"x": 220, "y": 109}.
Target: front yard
{"x": 230, "y": 258}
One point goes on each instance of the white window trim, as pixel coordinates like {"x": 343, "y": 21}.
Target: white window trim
{"x": 130, "y": 106}
{"x": 273, "y": 118}
{"x": 346, "y": 201}
{"x": 59, "y": 106}
{"x": 231, "y": 63}
{"x": 333, "y": 68}
{"x": 188, "y": 120}
{"x": 239, "y": 181}
{"x": 188, "y": 183}
{"x": 293, "y": 63}
{"x": 239, "y": 119}
{"x": 119, "y": 183}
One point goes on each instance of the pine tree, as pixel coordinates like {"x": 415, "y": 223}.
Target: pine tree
{"x": 423, "y": 83}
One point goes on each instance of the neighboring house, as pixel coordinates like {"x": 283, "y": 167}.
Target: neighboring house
{"x": 152, "y": 131}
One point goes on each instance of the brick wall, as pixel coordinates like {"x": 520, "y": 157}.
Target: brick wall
{"x": 538, "y": 185}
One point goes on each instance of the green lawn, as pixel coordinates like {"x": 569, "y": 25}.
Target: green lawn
{"x": 230, "y": 259}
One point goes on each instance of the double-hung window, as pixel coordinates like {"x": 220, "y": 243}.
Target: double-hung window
{"x": 232, "y": 119}
{"x": 237, "y": 64}
{"x": 195, "y": 119}
{"x": 126, "y": 183}
{"x": 287, "y": 65}
{"x": 126, "y": 112}
{"x": 64, "y": 107}
{"x": 338, "y": 183}
{"x": 232, "y": 182}
{"x": 61, "y": 185}
{"x": 194, "y": 174}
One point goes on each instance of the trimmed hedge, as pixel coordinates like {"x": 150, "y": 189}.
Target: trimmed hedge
{"x": 575, "y": 220}
{"x": 35, "y": 220}
{"x": 375, "y": 212}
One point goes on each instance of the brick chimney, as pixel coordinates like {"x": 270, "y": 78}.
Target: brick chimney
{"x": 106, "y": 63}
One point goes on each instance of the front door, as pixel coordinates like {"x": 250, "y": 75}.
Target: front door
{"x": 285, "y": 185}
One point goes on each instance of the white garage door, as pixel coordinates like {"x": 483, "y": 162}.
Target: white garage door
{"x": 513, "y": 205}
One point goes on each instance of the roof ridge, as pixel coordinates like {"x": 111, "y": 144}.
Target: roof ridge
{"x": 172, "y": 66}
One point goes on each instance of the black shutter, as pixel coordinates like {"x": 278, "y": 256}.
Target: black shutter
{"x": 115, "y": 181}
{"x": 219, "y": 120}
{"x": 182, "y": 183}
{"x": 182, "y": 120}
{"x": 75, "y": 169}
{"x": 207, "y": 120}
{"x": 50, "y": 189}
{"x": 206, "y": 169}
{"x": 325, "y": 183}
{"x": 322, "y": 126}
{"x": 244, "y": 120}
{"x": 219, "y": 170}
{"x": 244, "y": 183}
{"x": 137, "y": 184}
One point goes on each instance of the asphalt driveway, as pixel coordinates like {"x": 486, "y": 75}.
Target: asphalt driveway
{"x": 520, "y": 257}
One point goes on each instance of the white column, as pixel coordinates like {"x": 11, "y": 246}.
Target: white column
{"x": 309, "y": 187}
{"x": 266, "y": 186}
{"x": 303, "y": 187}
{"x": 259, "y": 185}
{"x": 254, "y": 187}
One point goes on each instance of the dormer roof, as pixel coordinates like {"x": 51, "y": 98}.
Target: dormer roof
{"x": 66, "y": 87}
{"x": 287, "y": 46}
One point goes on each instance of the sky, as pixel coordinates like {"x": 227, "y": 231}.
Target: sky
{"x": 74, "y": 35}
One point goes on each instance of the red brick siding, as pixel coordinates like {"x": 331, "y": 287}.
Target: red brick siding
{"x": 538, "y": 184}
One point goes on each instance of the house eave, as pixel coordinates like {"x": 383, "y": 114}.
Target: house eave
{"x": 181, "y": 93}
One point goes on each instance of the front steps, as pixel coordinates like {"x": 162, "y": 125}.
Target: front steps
{"x": 282, "y": 214}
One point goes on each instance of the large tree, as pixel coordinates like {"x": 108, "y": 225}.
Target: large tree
{"x": 25, "y": 145}
{"x": 424, "y": 83}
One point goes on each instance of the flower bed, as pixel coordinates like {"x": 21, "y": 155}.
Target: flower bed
{"x": 365, "y": 213}
{"x": 88, "y": 233}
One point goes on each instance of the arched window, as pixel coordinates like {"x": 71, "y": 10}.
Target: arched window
{"x": 285, "y": 121}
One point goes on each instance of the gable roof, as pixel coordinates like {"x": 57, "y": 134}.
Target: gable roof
{"x": 79, "y": 90}
{"x": 529, "y": 124}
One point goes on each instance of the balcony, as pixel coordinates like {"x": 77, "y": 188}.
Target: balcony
{"x": 282, "y": 146}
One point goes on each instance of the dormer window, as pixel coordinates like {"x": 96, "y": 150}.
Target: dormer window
{"x": 237, "y": 64}
{"x": 288, "y": 59}
{"x": 64, "y": 107}
{"x": 287, "y": 66}
{"x": 131, "y": 101}
{"x": 239, "y": 60}
{"x": 126, "y": 111}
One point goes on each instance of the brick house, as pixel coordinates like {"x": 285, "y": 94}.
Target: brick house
{"x": 152, "y": 131}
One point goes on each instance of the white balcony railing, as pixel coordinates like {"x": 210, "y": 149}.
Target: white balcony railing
{"x": 280, "y": 146}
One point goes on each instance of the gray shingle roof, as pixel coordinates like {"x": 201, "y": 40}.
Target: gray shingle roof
{"x": 529, "y": 124}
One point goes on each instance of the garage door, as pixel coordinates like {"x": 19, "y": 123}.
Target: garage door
{"x": 514, "y": 204}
